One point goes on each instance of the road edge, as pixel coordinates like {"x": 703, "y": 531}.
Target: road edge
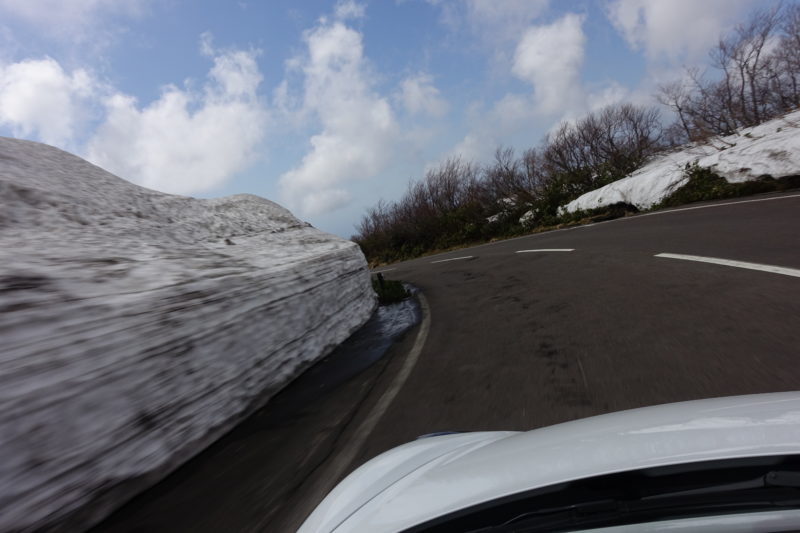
{"x": 334, "y": 470}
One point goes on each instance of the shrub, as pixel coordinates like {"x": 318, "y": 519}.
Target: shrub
{"x": 389, "y": 291}
{"x": 598, "y": 214}
{"x": 703, "y": 185}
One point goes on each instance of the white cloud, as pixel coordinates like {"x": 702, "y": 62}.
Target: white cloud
{"x": 675, "y": 30}
{"x": 349, "y": 9}
{"x": 419, "y": 95}
{"x": 501, "y": 124}
{"x": 38, "y": 99}
{"x": 186, "y": 142}
{"x": 493, "y": 127}
{"x": 613, "y": 93}
{"x": 503, "y": 20}
{"x": 70, "y": 17}
{"x": 473, "y": 147}
{"x": 550, "y": 58}
{"x": 359, "y": 131}
{"x": 494, "y": 22}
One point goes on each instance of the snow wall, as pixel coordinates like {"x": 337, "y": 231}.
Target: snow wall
{"x": 137, "y": 327}
{"x": 771, "y": 148}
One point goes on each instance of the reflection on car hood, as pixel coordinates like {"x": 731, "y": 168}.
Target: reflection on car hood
{"x": 431, "y": 477}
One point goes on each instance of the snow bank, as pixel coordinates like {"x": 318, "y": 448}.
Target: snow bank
{"x": 771, "y": 148}
{"x": 132, "y": 334}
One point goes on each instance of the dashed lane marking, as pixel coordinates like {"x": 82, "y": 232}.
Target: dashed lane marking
{"x": 453, "y": 259}
{"x": 546, "y": 250}
{"x": 739, "y": 264}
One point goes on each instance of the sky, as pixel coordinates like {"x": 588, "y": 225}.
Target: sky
{"x": 327, "y": 107}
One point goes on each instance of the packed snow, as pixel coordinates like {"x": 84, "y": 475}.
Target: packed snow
{"x": 771, "y": 148}
{"x": 137, "y": 327}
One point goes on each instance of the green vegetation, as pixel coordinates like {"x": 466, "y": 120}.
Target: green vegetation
{"x": 704, "y": 185}
{"x": 600, "y": 214}
{"x": 389, "y": 291}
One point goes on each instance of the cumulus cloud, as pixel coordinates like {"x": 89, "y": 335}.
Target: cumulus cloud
{"x": 349, "y": 9}
{"x": 186, "y": 142}
{"x": 358, "y": 128}
{"x": 677, "y": 30}
{"x": 550, "y": 57}
{"x": 490, "y": 127}
{"x": 495, "y": 23}
{"x": 475, "y": 146}
{"x": 503, "y": 20}
{"x": 612, "y": 93}
{"x": 70, "y": 17}
{"x": 419, "y": 95}
{"x": 38, "y": 99}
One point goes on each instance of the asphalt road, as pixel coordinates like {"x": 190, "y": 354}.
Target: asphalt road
{"x": 524, "y": 340}
{"x": 518, "y": 341}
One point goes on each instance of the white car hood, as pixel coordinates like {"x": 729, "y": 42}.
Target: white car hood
{"x": 431, "y": 477}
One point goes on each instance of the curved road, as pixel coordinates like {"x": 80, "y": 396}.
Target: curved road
{"x": 522, "y": 334}
{"x": 520, "y": 340}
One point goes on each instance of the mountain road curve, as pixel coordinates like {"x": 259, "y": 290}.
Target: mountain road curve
{"x": 675, "y": 305}
{"x": 692, "y": 303}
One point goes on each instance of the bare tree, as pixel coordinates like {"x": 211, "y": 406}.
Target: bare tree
{"x": 677, "y": 96}
{"x": 603, "y": 146}
{"x": 758, "y": 66}
{"x": 742, "y": 59}
{"x": 787, "y": 60}
{"x": 504, "y": 177}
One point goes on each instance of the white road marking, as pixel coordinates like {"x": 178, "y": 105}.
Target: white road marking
{"x": 340, "y": 462}
{"x": 668, "y": 211}
{"x": 623, "y": 219}
{"x": 546, "y": 250}
{"x": 583, "y": 375}
{"x": 384, "y": 270}
{"x": 453, "y": 259}
{"x": 739, "y": 264}
{"x": 331, "y": 472}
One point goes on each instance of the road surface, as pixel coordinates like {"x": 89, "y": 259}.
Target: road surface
{"x": 521, "y": 339}
{"x": 679, "y": 305}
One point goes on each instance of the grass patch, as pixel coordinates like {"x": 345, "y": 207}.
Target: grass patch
{"x": 389, "y": 291}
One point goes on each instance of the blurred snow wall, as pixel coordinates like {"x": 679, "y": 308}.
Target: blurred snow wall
{"x": 137, "y": 327}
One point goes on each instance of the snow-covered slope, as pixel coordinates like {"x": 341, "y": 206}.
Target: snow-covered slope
{"x": 132, "y": 334}
{"x": 771, "y": 148}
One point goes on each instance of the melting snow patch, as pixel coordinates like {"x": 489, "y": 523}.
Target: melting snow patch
{"x": 771, "y": 148}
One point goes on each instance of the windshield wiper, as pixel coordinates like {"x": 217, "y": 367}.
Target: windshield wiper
{"x": 778, "y": 488}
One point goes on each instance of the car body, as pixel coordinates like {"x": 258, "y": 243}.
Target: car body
{"x": 630, "y": 462}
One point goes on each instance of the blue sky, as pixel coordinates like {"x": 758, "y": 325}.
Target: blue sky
{"x": 328, "y": 106}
